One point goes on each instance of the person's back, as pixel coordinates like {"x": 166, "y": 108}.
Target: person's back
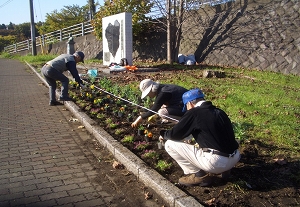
{"x": 176, "y": 91}
{"x": 59, "y": 63}
{"x": 211, "y": 128}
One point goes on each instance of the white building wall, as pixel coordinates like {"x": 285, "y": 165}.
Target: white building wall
{"x": 117, "y": 38}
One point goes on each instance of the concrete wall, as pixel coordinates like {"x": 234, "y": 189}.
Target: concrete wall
{"x": 255, "y": 34}
{"x": 260, "y": 34}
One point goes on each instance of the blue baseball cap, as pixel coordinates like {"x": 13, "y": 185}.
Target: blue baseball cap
{"x": 190, "y": 96}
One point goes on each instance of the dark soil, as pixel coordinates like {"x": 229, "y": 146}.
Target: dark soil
{"x": 257, "y": 180}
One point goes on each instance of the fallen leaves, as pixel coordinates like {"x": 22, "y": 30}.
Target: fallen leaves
{"x": 148, "y": 195}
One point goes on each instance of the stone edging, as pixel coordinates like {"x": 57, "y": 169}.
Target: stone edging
{"x": 172, "y": 195}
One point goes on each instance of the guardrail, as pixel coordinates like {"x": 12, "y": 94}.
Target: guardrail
{"x": 52, "y": 37}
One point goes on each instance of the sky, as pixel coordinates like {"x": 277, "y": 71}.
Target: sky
{"x": 18, "y": 11}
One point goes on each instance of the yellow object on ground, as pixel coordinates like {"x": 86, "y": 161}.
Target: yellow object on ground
{"x": 153, "y": 118}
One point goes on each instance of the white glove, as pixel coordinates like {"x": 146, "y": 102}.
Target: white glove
{"x": 136, "y": 122}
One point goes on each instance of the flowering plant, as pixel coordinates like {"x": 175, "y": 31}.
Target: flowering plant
{"x": 150, "y": 154}
{"x": 141, "y": 145}
{"x": 94, "y": 111}
{"x": 148, "y": 134}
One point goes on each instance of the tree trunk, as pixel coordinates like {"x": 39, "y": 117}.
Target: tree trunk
{"x": 169, "y": 39}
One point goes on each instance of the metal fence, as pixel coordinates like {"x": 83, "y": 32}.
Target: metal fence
{"x": 52, "y": 37}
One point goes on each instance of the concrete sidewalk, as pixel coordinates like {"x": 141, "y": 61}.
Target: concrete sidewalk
{"x": 42, "y": 161}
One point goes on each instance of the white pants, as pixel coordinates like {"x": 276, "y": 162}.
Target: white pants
{"x": 192, "y": 159}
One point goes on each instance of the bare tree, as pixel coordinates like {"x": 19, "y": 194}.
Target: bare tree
{"x": 170, "y": 15}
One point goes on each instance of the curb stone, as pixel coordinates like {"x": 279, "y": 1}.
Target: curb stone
{"x": 172, "y": 195}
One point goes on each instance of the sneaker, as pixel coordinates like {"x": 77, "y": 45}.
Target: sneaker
{"x": 192, "y": 179}
{"x": 65, "y": 99}
{"x": 55, "y": 103}
{"x": 226, "y": 174}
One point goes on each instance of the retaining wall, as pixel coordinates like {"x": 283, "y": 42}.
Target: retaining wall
{"x": 255, "y": 34}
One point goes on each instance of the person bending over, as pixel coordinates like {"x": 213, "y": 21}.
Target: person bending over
{"x": 53, "y": 71}
{"x": 168, "y": 100}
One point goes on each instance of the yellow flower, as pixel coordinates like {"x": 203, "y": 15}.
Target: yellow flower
{"x": 92, "y": 86}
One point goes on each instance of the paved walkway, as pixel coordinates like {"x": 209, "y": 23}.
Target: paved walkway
{"x": 42, "y": 159}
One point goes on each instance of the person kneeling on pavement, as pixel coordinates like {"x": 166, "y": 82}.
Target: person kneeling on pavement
{"x": 216, "y": 151}
{"x": 53, "y": 71}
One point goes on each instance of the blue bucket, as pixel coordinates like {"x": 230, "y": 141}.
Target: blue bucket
{"x": 92, "y": 73}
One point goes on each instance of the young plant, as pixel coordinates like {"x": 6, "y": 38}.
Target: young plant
{"x": 141, "y": 145}
{"x": 141, "y": 127}
{"x": 119, "y": 131}
{"x": 100, "y": 116}
{"x": 113, "y": 125}
{"x": 239, "y": 131}
{"x": 108, "y": 121}
{"x": 128, "y": 139}
{"x": 163, "y": 165}
{"x": 150, "y": 154}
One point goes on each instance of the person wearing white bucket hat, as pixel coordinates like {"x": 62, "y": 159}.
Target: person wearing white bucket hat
{"x": 168, "y": 101}
{"x": 216, "y": 149}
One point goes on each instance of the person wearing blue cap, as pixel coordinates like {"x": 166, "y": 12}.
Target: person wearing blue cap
{"x": 53, "y": 71}
{"x": 216, "y": 150}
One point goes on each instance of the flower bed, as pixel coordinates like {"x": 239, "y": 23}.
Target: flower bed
{"x": 109, "y": 108}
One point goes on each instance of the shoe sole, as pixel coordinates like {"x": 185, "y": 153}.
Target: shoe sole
{"x": 199, "y": 184}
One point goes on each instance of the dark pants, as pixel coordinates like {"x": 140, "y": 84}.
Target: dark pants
{"x": 51, "y": 76}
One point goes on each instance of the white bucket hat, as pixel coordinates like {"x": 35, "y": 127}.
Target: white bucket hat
{"x": 146, "y": 86}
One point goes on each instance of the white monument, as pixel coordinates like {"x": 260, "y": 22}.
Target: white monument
{"x": 117, "y": 38}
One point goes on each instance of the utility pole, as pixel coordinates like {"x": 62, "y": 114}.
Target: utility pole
{"x": 92, "y": 9}
{"x": 33, "y": 42}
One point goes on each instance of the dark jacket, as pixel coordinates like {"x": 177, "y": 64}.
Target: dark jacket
{"x": 65, "y": 62}
{"x": 210, "y": 126}
{"x": 169, "y": 95}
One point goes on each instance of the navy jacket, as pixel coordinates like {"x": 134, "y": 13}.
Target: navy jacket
{"x": 210, "y": 126}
